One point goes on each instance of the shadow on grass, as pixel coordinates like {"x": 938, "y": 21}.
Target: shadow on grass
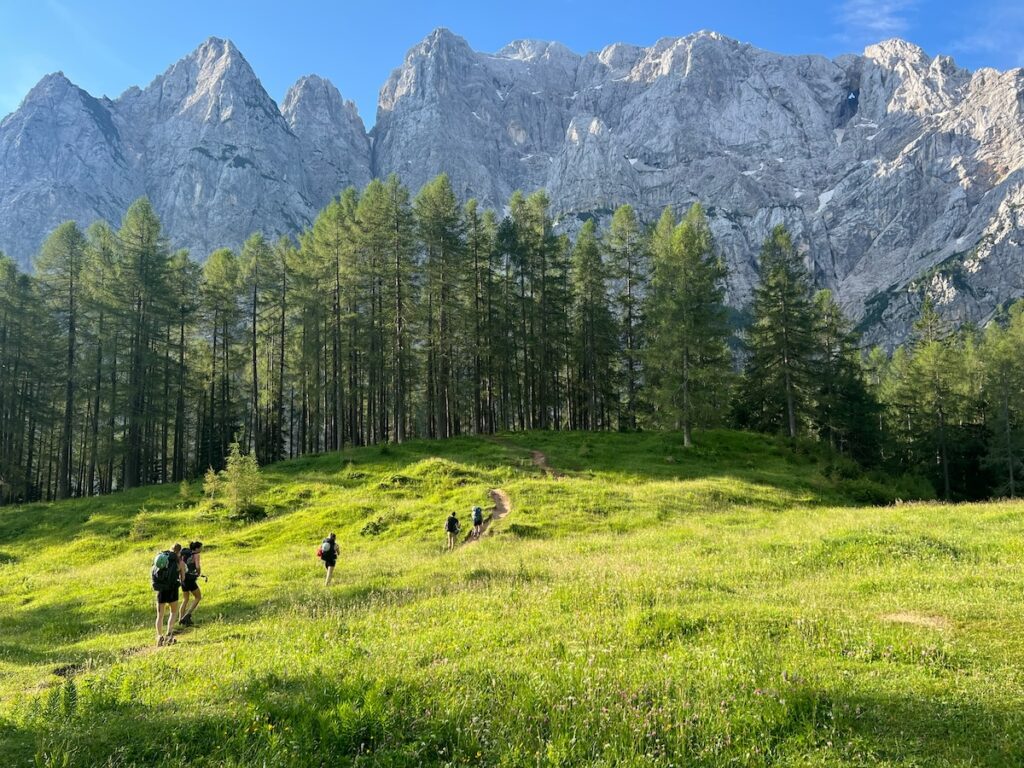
{"x": 273, "y": 720}
{"x": 901, "y": 729}
{"x": 331, "y": 716}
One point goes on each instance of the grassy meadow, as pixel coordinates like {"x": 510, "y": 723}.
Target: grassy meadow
{"x": 738, "y": 604}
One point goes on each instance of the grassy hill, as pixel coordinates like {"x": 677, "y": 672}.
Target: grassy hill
{"x": 640, "y": 605}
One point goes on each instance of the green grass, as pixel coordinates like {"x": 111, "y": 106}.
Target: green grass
{"x": 728, "y": 605}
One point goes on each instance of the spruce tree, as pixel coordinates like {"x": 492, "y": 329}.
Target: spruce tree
{"x": 845, "y": 411}
{"x": 780, "y": 374}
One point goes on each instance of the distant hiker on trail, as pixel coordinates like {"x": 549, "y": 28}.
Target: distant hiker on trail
{"x": 452, "y": 527}
{"x": 328, "y": 552}
{"x": 167, "y": 573}
{"x": 478, "y": 522}
{"x": 190, "y": 583}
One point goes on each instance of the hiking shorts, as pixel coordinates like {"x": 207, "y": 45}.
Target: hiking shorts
{"x": 190, "y": 584}
{"x": 167, "y": 595}
{"x": 330, "y": 562}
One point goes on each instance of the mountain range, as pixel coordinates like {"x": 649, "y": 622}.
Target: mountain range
{"x": 900, "y": 174}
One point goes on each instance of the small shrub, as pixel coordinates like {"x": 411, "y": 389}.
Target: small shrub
{"x": 211, "y": 484}
{"x": 239, "y": 483}
{"x": 142, "y": 527}
{"x": 374, "y": 527}
{"x": 524, "y": 531}
{"x": 867, "y": 492}
{"x": 185, "y": 489}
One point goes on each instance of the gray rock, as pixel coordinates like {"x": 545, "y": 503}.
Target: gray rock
{"x": 336, "y": 148}
{"x": 901, "y": 175}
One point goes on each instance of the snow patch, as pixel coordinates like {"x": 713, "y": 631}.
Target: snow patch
{"x": 824, "y": 199}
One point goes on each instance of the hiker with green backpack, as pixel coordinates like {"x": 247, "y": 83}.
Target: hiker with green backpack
{"x": 167, "y": 572}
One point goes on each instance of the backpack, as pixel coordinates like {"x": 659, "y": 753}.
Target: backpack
{"x": 188, "y": 557}
{"x": 452, "y": 526}
{"x": 165, "y": 570}
{"x": 478, "y": 517}
{"x": 326, "y": 549}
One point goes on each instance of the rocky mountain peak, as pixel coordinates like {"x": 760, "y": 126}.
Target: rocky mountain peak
{"x": 898, "y": 173}
{"x": 313, "y": 97}
{"x": 54, "y": 82}
{"x": 329, "y": 127}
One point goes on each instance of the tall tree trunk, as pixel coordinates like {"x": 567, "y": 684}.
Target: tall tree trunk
{"x": 64, "y": 460}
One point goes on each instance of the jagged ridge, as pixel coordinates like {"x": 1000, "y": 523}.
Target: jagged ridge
{"x": 898, "y": 173}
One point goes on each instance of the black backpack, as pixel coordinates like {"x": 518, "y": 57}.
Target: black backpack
{"x": 188, "y": 557}
{"x": 165, "y": 570}
{"x": 327, "y": 550}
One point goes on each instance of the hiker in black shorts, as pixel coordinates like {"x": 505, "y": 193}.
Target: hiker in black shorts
{"x": 452, "y": 527}
{"x": 190, "y": 583}
{"x": 328, "y": 552}
{"x": 478, "y": 522}
{"x": 167, "y": 573}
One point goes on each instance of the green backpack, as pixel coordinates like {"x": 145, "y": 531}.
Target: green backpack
{"x": 165, "y": 570}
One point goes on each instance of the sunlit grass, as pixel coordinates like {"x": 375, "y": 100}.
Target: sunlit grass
{"x": 729, "y": 605}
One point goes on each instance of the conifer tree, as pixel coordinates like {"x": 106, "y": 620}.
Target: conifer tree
{"x": 778, "y": 389}
{"x": 845, "y": 410}
{"x": 59, "y": 269}
{"x": 593, "y": 335}
{"x": 1002, "y": 353}
{"x": 627, "y": 257}
{"x": 688, "y": 356}
{"x": 441, "y": 232}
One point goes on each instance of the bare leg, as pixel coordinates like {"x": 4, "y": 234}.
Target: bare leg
{"x": 172, "y": 614}
{"x": 159, "y": 622}
{"x": 184, "y": 607}
{"x": 330, "y": 573}
{"x": 197, "y": 595}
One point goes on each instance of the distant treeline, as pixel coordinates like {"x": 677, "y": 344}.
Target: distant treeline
{"x": 123, "y": 363}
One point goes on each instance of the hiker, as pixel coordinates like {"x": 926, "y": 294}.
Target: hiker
{"x": 328, "y": 552}
{"x": 167, "y": 573}
{"x": 478, "y": 522}
{"x": 452, "y": 527}
{"x": 190, "y": 583}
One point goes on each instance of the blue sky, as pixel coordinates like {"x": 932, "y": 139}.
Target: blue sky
{"x": 107, "y": 45}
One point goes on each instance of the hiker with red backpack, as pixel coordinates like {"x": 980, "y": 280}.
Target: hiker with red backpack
{"x": 190, "y": 582}
{"x": 328, "y": 552}
{"x": 167, "y": 572}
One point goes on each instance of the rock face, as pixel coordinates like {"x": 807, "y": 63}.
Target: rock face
{"x": 204, "y": 141}
{"x": 899, "y": 174}
{"x": 336, "y": 146}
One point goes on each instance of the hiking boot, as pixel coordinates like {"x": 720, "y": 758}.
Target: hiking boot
{"x": 186, "y": 620}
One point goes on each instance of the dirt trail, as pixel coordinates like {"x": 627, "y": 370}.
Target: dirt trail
{"x": 502, "y": 507}
{"x": 918, "y": 620}
{"x": 541, "y": 462}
